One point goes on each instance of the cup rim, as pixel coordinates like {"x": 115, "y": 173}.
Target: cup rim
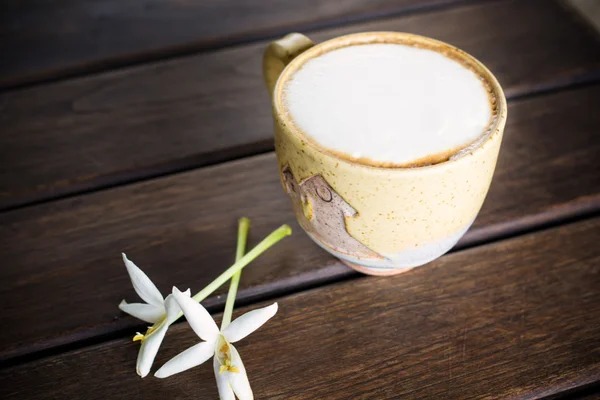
{"x": 494, "y": 132}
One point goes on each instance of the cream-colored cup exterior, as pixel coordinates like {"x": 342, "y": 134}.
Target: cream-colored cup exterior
{"x": 404, "y": 217}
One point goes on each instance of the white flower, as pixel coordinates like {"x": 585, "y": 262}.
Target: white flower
{"x": 157, "y": 311}
{"x": 230, "y": 373}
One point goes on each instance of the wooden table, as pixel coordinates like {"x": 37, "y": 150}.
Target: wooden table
{"x": 144, "y": 127}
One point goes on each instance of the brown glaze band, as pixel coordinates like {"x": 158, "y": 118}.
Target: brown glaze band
{"x": 469, "y": 62}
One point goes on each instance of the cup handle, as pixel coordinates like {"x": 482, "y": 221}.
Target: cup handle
{"x": 279, "y": 54}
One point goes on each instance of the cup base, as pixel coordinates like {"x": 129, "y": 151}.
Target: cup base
{"x": 374, "y": 272}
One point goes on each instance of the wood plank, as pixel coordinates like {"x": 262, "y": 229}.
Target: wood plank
{"x": 142, "y": 122}
{"x": 181, "y": 229}
{"x": 54, "y": 39}
{"x": 514, "y": 319}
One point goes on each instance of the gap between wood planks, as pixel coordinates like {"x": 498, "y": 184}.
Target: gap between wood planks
{"x": 590, "y": 391}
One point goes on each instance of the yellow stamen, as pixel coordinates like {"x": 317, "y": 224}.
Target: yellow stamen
{"x": 138, "y": 337}
{"x": 224, "y": 357}
{"x": 228, "y": 367}
{"x": 141, "y": 337}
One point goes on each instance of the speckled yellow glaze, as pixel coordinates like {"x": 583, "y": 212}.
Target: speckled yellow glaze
{"x": 399, "y": 209}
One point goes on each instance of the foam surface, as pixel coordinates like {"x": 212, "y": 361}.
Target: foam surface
{"x": 388, "y": 103}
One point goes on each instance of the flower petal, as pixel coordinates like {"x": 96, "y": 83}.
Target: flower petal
{"x": 142, "y": 285}
{"x": 239, "y": 380}
{"x": 197, "y": 316}
{"x": 225, "y": 390}
{"x": 248, "y": 323}
{"x": 187, "y": 359}
{"x": 148, "y": 350}
{"x": 146, "y": 312}
{"x": 172, "y": 307}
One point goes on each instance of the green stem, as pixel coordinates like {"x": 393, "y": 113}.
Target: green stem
{"x": 274, "y": 237}
{"x": 243, "y": 227}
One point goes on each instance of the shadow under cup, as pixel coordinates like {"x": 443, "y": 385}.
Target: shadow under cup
{"x": 380, "y": 220}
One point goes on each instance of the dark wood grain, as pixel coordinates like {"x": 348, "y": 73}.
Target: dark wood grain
{"x": 514, "y": 319}
{"x": 170, "y": 116}
{"x": 54, "y": 39}
{"x": 62, "y": 275}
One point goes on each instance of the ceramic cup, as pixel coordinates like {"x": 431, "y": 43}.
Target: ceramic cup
{"x": 379, "y": 220}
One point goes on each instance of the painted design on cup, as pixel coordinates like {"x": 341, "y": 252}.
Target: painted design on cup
{"x": 322, "y": 213}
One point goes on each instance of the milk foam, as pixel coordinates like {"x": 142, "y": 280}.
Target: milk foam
{"x": 389, "y": 103}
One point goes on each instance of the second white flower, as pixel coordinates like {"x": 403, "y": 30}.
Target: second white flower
{"x": 230, "y": 373}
